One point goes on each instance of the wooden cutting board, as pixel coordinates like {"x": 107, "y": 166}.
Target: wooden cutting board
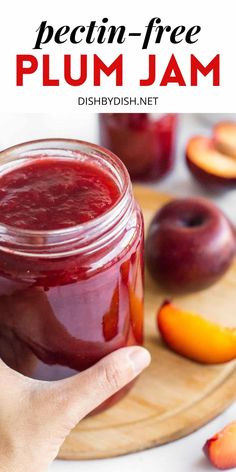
{"x": 174, "y": 396}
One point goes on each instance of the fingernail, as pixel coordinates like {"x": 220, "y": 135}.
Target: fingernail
{"x": 140, "y": 358}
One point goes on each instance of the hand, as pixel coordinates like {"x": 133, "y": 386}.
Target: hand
{"x": 36, "y": 416}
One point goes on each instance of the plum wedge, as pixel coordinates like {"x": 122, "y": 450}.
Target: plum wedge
{"x": 209, "y": 166}
{"x": 225, "y": 137}
{"x": 221, "y": 448}
{"x": 194, "y": 337}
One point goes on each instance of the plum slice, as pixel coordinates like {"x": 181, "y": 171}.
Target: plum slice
{"x": 209, "y": 166}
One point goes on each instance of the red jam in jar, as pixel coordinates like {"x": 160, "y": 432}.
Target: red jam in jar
{"x": 145, "y": 142}
{"x": 71, "y": 258}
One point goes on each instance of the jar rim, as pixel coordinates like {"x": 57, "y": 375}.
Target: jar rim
{"x": 91, "y": 235}
{"x": 85, "y": 226}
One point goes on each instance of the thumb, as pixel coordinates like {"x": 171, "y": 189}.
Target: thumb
{"x": 82, "y": 393}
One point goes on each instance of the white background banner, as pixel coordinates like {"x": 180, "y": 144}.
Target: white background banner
{"x": 18, "y": 36}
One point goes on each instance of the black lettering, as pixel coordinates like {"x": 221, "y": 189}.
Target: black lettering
{"x": 74, "y": 32}
{"x": 177, "y": 32}
{"x": 42, "y": 29}
{"x": 61, "y": 32}
{"x": 192, "y": 32}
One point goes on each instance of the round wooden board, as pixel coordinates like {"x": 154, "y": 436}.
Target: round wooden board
{"x": 174, "y": 396}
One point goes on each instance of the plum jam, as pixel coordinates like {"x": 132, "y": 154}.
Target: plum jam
{"x": 145, "y": 142}
{"x": 49, "y": 195}
{"x": 71, "y": 258}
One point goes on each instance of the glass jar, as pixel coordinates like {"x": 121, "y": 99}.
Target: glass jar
{"x": 145, "y": 142}
{"x": 70, "y": 296}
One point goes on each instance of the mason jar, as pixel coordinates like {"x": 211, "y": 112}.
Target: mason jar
{"x": 145, "y": 142}
{"x": 71, "y": 291}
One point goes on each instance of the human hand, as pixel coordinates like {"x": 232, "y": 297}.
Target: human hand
{"x": 36, "y": 416}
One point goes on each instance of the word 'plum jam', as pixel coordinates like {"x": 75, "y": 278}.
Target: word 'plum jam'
{"x": 71, "y": 258}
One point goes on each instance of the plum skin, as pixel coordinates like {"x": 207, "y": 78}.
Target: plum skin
{"x": 213, "y": 183}
{"x": 190, "y": 245}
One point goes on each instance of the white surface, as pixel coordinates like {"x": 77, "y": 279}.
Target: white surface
{"x": 180, "y": 456}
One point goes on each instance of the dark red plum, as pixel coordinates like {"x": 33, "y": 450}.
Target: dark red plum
{"x": 190, "y": 245}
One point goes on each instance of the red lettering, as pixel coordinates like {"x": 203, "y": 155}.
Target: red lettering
{"x": 116, "y": 66}
{"x": 173, "y": 67}
{"x": 213, "y": 66}
{"x": 46, "y": 72}
{"x": 83, "y": 70}
{"x": 152, "y": 72}
{"x": 22, "y": 70}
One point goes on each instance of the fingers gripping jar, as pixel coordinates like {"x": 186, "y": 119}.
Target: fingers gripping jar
{"x": 71, "y": 258}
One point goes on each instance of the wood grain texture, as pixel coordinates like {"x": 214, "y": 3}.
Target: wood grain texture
{"x": 174, "y": 396}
